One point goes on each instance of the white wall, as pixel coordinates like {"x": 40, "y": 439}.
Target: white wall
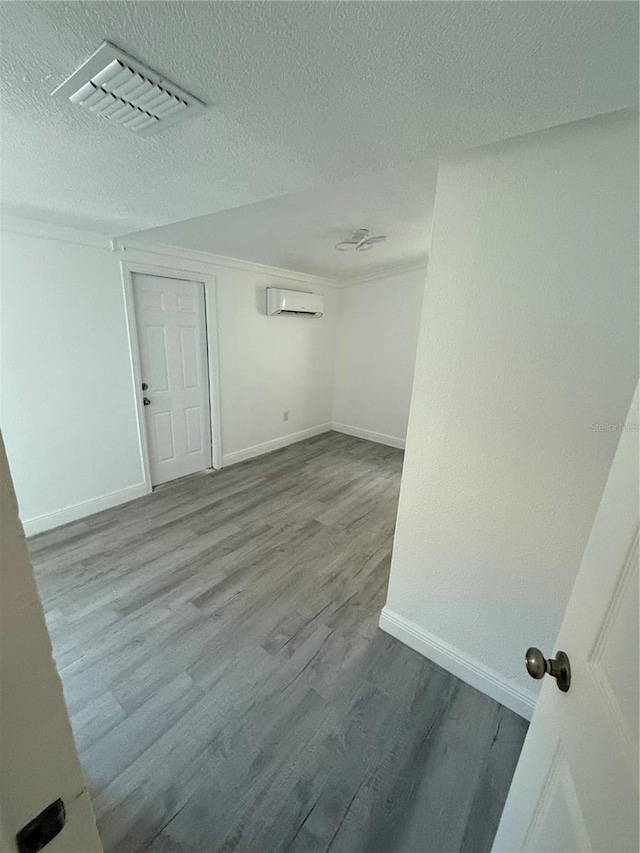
{"x": 68, "y": 413}
{"x": 271, "y": 365}
{"x": 37, "y": 752}
{"x": 528, "y": 337}
{"x": 68, "y": 404}
{"x": 375, "y": 356}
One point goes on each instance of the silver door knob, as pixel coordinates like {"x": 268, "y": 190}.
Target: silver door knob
{"x": 558, "y": 667}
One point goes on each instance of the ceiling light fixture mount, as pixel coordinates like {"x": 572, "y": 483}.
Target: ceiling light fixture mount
{"x": 359, "y": 241}
{"x": 117, "y": 87}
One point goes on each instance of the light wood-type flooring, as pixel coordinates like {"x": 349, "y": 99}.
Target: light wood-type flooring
{"x": 227, "y": 682}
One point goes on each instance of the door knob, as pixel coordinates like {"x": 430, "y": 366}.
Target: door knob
{"x": 146, "y": 401}
{"x": 558, "y": 667}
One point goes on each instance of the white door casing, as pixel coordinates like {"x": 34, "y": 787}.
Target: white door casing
{"x": 575, "y": 787}
{"x": 172, "y": 343}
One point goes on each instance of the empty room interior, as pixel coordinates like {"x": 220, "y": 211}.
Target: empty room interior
{"x": 319, "y": 402}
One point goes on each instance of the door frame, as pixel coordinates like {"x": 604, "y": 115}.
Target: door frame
{"x": 128, "y": 268}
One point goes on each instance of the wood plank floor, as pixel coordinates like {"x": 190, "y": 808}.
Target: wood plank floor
{"x": 227, "y": 683}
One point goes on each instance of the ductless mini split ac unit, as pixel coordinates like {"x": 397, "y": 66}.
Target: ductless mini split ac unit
{"x": 293, "y": 302}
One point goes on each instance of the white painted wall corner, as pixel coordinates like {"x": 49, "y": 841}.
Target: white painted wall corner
{"x": 369, "y": 435}
{"x": 468, "y": 669}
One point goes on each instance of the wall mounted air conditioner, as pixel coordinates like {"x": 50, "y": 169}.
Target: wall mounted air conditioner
{"x": 292, "y": 302}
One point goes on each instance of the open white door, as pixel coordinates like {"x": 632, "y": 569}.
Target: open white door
{"x": 576, "y": 784}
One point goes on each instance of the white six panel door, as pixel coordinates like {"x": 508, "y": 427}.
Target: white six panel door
{"x": 575, "y": 788}
{"x": 170, "y": 319}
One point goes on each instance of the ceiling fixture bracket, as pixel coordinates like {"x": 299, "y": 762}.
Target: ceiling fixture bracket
{"x": 359, "y": 241}
{"x": 118, "y": 88}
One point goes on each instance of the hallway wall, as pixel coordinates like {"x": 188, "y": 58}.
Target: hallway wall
{"x": 526, "y": 366}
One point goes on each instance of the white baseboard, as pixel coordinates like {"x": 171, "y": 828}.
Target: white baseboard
{"x": 72, "y": 513}
{"x": 458, "y": 663}
{"x": 378, "y": 437}
{"x": 273, "y": 444}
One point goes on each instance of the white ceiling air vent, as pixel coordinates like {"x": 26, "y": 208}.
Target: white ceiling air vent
{"x": 118, "y": 88}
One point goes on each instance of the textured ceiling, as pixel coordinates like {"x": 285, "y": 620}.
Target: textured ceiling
{"x": 299, "y": 231}
{"x": 299, "y": 94}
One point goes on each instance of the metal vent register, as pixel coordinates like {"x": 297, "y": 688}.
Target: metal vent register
{"x": 117, "y": 87}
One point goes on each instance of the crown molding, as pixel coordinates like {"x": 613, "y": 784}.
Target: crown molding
{"x": 207, "y": 260}
{"x": 59, "y": 233}
{"x": 387, "y": 272}
{"x": 126, "y": 248}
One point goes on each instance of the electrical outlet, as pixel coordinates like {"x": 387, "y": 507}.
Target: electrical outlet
{"x": 285, "y": 416}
